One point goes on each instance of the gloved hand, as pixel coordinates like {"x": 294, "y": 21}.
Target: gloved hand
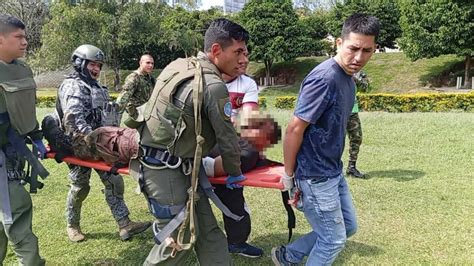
{"x": 41, "y": 148}
{"x": 287, "y": 182}
{"x": 232, "y": 180}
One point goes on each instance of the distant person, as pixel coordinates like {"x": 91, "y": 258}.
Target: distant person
{"x": 314, "y": 144}
{"x": 138, "y": 87}
{"x": 354, "y": 132}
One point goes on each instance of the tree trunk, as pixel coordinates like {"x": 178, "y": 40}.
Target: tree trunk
{"x": 117, "y": 78}
{"x": 268, "y": 66}
{"x": 467, "y": 72}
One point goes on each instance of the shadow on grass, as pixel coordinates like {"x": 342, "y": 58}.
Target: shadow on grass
{"x": 400, "y": 175}
{"x": 266, "y": 242}
{"x": 360, "y": 249}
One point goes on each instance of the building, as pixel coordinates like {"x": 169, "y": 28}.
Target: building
{"x": 233, "y": 6}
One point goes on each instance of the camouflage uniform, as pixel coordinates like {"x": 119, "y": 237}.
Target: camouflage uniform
{"x": 135, "y": 92}
{"x": 78, "y": 107}
{"x": 354, "y": 132}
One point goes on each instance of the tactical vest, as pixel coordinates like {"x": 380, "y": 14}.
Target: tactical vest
{"x": 99, "y": 111}
{"x": 17, "y": 98}
{"x": 167, "y": 119}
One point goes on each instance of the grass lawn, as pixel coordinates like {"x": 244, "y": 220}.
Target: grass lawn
{"x": 387, "y": 72}
{"x": 417, "y": 207}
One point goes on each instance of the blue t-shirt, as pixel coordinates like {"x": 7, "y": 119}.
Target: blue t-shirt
{"x": 325, "y": 101}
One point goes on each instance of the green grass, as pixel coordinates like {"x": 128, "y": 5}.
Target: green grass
{"x": 417, "y": 207}
{"x": 388, "y": 72}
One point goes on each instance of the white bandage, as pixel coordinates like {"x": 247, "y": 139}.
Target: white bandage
{"x": 208, "y": 164}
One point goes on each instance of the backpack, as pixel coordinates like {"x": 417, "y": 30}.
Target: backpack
{"x": 114, "y": 145}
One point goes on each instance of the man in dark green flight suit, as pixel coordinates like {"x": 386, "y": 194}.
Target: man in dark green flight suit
{"x": 168, "y": 143}
{"x": 17, "y": 121}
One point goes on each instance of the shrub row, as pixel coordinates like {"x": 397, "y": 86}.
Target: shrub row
{"x": 50, "y": 101}
{"x": 402, "y": 102}
{"x": 368, "y": 102}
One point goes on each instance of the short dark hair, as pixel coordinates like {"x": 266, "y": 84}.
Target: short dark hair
{"x": 361, "y": 24}
{"x": 223, "y": 31}
{"x": 9, "y": 23}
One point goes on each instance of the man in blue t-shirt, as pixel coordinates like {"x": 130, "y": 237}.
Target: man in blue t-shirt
{"x": 314, "y": 144}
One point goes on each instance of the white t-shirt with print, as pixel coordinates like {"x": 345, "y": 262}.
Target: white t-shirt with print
{"x": 242, "y": 90}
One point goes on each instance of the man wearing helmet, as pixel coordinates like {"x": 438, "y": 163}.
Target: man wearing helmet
{"x": 83, "y": 105}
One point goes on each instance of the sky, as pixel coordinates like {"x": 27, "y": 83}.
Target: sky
{"x": 206, "y": 4}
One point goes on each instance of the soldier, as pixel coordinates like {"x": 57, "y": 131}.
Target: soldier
{"x": 83, "y": 105}
{"x": 17, "y": 119}
{"x": 354, "y": 130}
{"x": 138, "y": 87}
{"x": 190, "y": 95}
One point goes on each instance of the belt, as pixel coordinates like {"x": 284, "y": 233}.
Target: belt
{"x": 160, "y": 157}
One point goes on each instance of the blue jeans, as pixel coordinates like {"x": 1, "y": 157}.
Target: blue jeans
{"x": 329, "y": 210}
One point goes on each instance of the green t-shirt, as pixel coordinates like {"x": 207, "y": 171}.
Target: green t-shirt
{"x": 355, "y": 109}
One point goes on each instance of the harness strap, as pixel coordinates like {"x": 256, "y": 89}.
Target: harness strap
{"x": 207, "y": 187}
{"x": 6, "y": 208}
{"x": 163, "y": 234}
{"x": 285, "y": 196}
{"x": 198, "y": 86}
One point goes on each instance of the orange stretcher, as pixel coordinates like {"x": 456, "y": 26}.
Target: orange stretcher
{"x": 263, "y": 177}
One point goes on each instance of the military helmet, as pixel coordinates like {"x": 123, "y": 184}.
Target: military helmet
{"x": 87, "y": 52}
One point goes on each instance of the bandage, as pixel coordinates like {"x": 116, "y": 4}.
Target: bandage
{"x": 208, "y": 164}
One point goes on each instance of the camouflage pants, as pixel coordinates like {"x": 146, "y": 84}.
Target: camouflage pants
{"x": 114, "y": 189}
{"x": 354, "y": 132}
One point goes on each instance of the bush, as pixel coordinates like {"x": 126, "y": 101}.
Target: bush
{"x": 50, "y": 101}
{"x": 285, "y": 102}
{"x": 262, "y": 102}
{"x": 403, "y": 102}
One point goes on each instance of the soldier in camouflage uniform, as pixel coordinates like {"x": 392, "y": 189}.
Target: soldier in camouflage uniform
{"x": 138, "y": 87}
{"x": 169, "y": 146}
{"x": 17, "y": 114}
{"x": 354, "y": 129}
{"x": 82, "y": 106}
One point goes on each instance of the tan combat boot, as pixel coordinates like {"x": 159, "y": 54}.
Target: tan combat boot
{"x": 128, "y": 228}
{"x": 74, "y": 233}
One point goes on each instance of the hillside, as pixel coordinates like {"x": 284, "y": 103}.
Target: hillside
{"x": 388, "y": 72}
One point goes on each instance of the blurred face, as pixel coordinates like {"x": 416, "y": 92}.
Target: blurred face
{"x": 354, "y": 51}
{"x": 231, "y": 60}
{"x": 13, "y": 45}
{"x": 146, "y": 64}
{"x": 94, "y": 69}
{"x": 258, "y": 134}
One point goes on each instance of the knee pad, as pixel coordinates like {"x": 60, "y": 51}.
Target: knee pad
{"x": 80, "y": 192}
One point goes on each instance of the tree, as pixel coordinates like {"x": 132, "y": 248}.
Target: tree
{"x": 386, "y": 11}
{"x": 69, "y": 27}
{"x": 33, "y": 13}
{"x": 122, "y": 29}
{"x": 275, "y": 32}
{"x": 433, "y": 28}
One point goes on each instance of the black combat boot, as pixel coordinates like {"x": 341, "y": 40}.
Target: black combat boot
{"x": 352, "y": 170}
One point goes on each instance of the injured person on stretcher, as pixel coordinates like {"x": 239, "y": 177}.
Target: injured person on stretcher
{"x": 116, "y": 145}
